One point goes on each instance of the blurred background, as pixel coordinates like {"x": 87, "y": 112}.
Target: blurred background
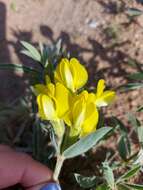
{"x": 101, "y": 33}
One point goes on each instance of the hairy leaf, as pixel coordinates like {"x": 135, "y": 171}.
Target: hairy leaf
{"x": 135, "y": 186}
{"x": 136, "y": 76}
{"x": 124, "y": 147}
{"x": 85, "y": 143}
{"x": 85, "y": 182}
{"x": 133, "y": 171}
{"x": 31, "y": 51}
{"x": 108, "y": 175}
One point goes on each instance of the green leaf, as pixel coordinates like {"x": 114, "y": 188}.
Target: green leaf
{"x": 18, "y": 67}
{"x": 140, "y": 134}
{"x": 124, "y": 147}
{"x": 133, "y": 120}
{"x": 119, "y": 124}
{"x": 136, "y": 76}
{"x": 133, "y": 171}
{"x": 53, "y": 139}
{"x": 85, "y": 182}
{"x": 31, "y": 51}
{"x": 132, "y": 86}
{"x": 58, "y": 46}
{"x": 108, "y": 175}
{"x": 135, "y": 186}
{"x": 132, "y": 62}
{"x": 123, "y": 187}
{"x": 103, "y": 187}
{"x": 132, "y": 12}
{"x": 85, "y": 143}
{"x": 139, "y": 158}
{"x": 140, "y": 109}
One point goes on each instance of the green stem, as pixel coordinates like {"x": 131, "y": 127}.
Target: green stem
{"x": 59, "y": 129}
{"x": 58, "y": 167}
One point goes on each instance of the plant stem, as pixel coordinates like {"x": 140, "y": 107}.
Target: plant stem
{"x": 116, "y": 154}
{"x": 59, "y": 129}
{"x": 59, "y": 164}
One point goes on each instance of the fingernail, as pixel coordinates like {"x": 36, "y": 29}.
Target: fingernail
{"x": 51, "y": 186}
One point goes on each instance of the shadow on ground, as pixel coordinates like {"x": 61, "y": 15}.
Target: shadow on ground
{"x": 10, "y": 82}
{"x": 13, "y": 85}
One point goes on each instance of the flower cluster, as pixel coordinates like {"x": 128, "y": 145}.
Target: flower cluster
{"x": 62, "y": 101}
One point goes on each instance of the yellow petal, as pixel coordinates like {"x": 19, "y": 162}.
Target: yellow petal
{"x": 51, "y": 89}
{"x": 75, "y": 118}
{"x": 43, "y": 89}
{"x": 47, "y": 79}
{"x": 91, "y": 120}
{"x": 40, "y": 89}
{"x": 73, "y": 97}
{"x": 79, "y": 73}
{"x": 83, "y": 95}
{"x": 106, "y": 98}
{"x": 68, "y": 118}
{"x": 78, "y": 113}
{"x": 47, "y": 107}
{"x": 100, "y": 87}
{"x": 67, "y": 75}
{"x": 40, "y": 108}
{"x": 58, "y": 73}
{"x": 91, "y": 98}
{"x": 62, "y": 97}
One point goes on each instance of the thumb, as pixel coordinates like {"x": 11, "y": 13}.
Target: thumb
{"x": 51, "y": 186}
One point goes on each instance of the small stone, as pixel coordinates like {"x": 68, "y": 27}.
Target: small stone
{"x": 93, "y": 24}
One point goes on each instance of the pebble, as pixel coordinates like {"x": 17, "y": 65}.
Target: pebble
{"x": 92, "y": 23}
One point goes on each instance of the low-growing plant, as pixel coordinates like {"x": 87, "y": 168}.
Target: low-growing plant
{"x": 118, "y": 171}
{"x": 62, "y": 109}
{"x": 72, "y": 111}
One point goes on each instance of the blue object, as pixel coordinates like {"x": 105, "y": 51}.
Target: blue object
{"x": 140, "y": 1}
{"x": 51, "y": 186}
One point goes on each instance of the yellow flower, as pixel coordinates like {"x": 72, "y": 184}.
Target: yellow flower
{"x": 83, "y": 115}
{"x": 103, "y": 98}
{"x": 44, "y": 88}
{"x": 52, "y": 101}
{"x": 71, "y": 73}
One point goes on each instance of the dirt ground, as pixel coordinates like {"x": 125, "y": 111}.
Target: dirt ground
{"x": 98, "y": 32}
